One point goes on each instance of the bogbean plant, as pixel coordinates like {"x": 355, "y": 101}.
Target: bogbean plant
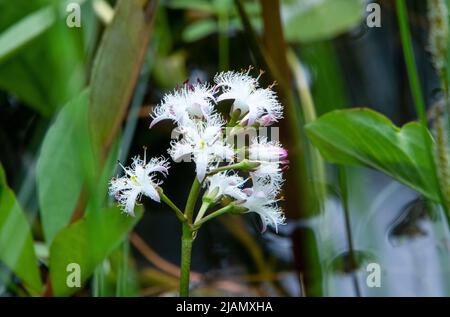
{"x": 233, "y": 180}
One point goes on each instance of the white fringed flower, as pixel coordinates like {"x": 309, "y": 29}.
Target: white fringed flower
{"x": 261, "y": 149}
{"x": 204, "y": 143}
{"x": 261, "y": 199}
{"x": 184, "y": 104}
{"x": 272, "y": 158}
{"x": 256, "y": 104}
{"x": 225, "y": 183}
{"x": 139, "y": 179}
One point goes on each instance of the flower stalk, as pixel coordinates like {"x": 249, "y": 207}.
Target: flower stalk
{"x": 221, "y": 211}
{"x": 187, "y": 238}
{"x": 169, "y": 203}
{"x": 245, "y": 165}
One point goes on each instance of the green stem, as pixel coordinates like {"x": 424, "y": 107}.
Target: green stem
{"x": 169, "y": 203}
{"x": 408, "y": 52}
{"x": 348, "y": 227}
{"x": 203, "y": 209}
{"x": 187, "y": 237}
{"x": 121, "y": 287}
{"x": 213, "y": 215}
{"x": 309, "y": 113}
{"x": 186, "y": 249}
{"x": 244, "y": 165}
{"x": 192, "y": 199}
{"x": 99, "y": 281}
{"x": 223, "y": 39}
{"x": 413, "y": 77}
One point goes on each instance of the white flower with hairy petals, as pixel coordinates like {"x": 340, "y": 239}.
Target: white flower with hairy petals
{"x": 184, "y": 104}
{"x": 256, "y": 104}
{"x": 262, "y": 149}
{"x": 204, "y": 142}
{"x": 272, "y": 157}
{"x": 225, "y": 183}
{"x": 139, "y": 179}
{"x": 261, "y": 199}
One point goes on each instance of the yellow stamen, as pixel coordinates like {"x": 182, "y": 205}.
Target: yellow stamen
{"x": 134, "y": 179}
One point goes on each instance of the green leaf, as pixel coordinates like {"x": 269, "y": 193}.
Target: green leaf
{"x": 87, "y": 242}
{"x": 199, "y": 29}
{"x": 322, "y": 60}
{"x": 43, "y": 60}
{"x": 16, "y": 242}
{"x": 197, "y": 5}
{"x": 60, "y": 168}
{"x": 116, "y": 69}
{"x": 24, "y": 31}
{"x": 366, "y": 138}
{"x": 306, "y": 21}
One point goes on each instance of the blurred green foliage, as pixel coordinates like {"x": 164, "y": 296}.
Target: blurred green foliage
{"x": 16, "y": 241}
{"x": 45, "y": 66}
{"x": 80, "y": 82}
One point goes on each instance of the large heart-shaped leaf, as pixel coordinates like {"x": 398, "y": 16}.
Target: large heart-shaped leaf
{"x": 365, "y": 137}
{"x": 16, "y": 242}
{"x": 306, "y": 21}
{"x": 87, "y": 243}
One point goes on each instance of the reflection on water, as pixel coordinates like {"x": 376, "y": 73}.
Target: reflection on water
{"x": 392, "y": 227}
{"x": 410, "y": 224}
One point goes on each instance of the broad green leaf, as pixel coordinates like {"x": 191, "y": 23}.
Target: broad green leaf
{"x": 366, "y": 138}
{"x": 306, "y": 21}
{"x": 87, "y": 243}
{"x": 61, "y": 165}
{"x": 116, "y": 68}
{"x": 16, "y": 242}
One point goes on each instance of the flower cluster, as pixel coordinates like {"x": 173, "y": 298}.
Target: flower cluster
{"x": 193, "y": 109}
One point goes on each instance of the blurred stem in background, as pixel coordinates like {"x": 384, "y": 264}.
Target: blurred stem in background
{"x": 99, "y": 282}
{"x": 318, "y": 170}
{"x": 223, "y": 26}
{"x": 438, "y": 45}
{"x": 405, "y": 35}
{"x": 122, "y": 275}
{"x": 274, "y": 57}
{"x": 348, "y": 227}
